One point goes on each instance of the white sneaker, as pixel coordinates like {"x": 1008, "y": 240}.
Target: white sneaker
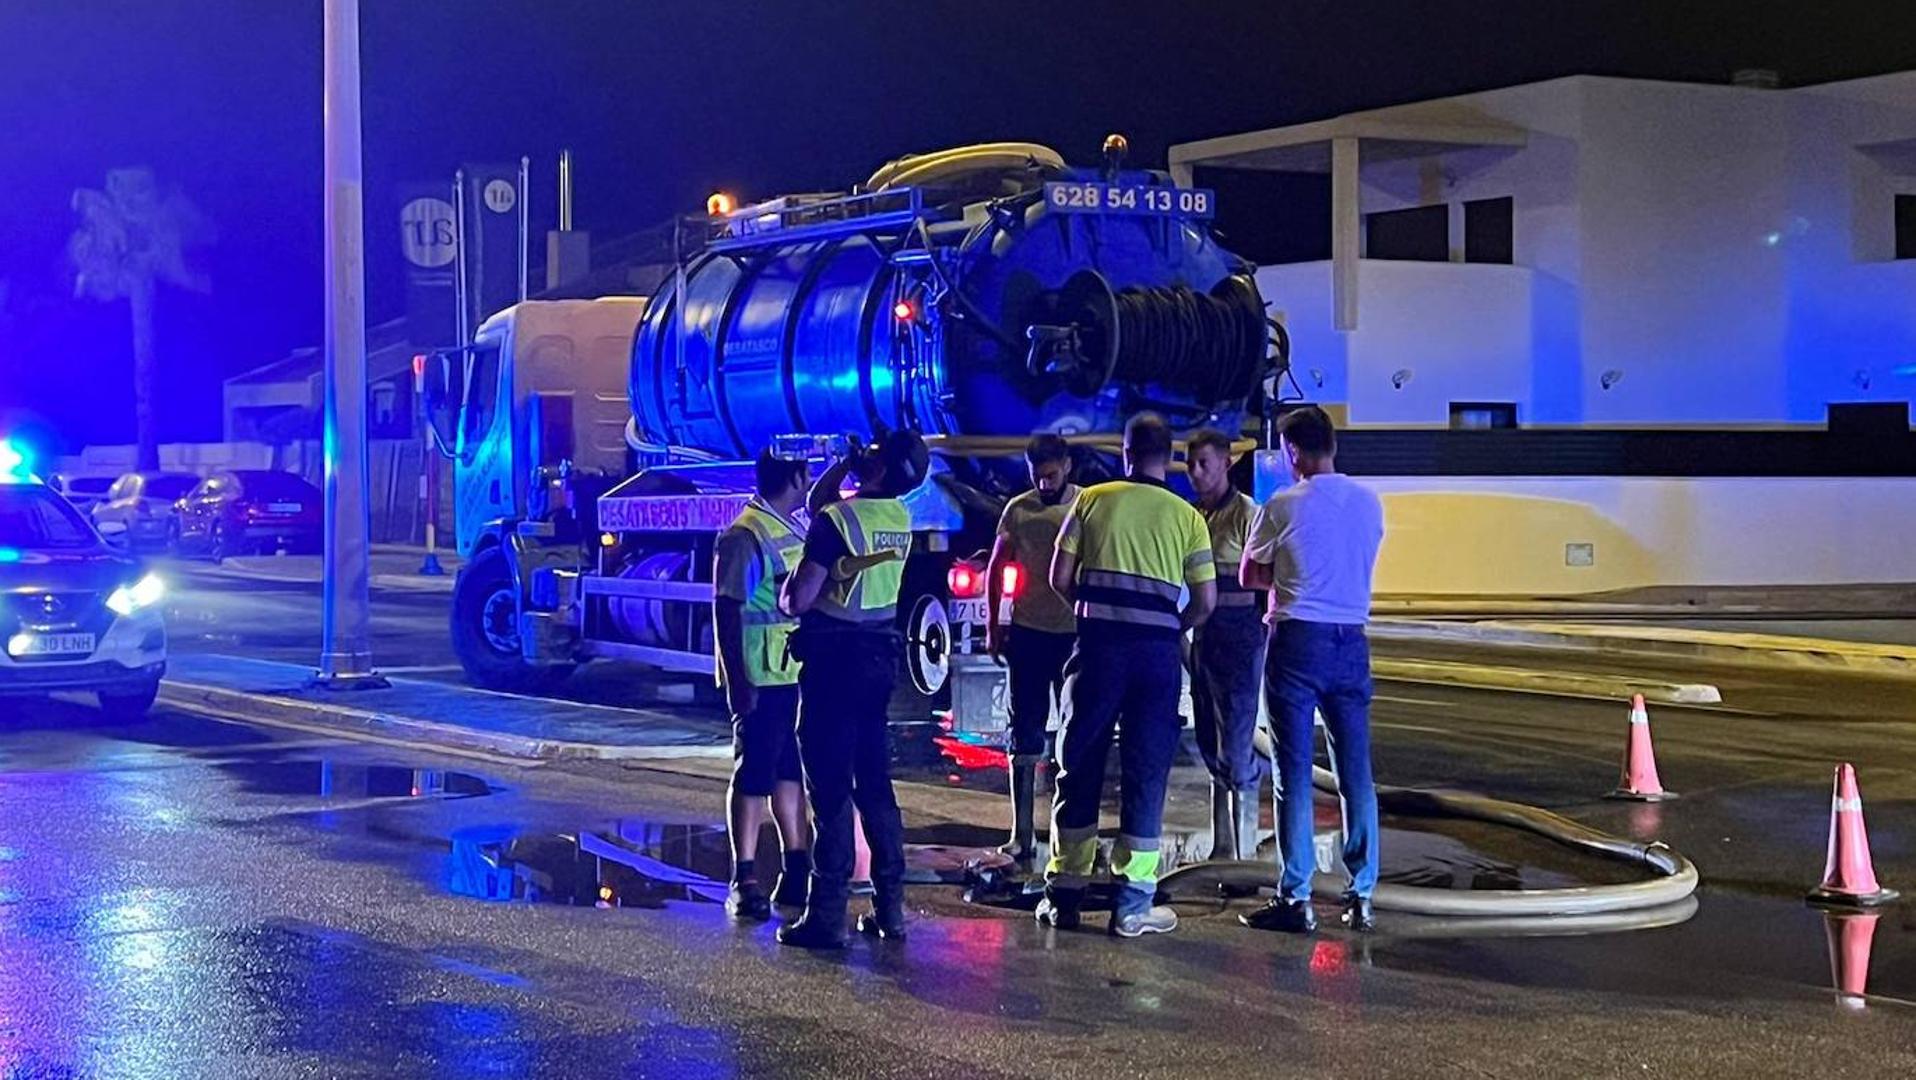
{"x": 1158, "y": 920}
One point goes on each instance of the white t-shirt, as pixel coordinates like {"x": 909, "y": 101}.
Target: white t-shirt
{"x": 1320, "y": 537}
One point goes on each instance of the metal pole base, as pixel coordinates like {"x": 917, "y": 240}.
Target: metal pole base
{"x": 431, "y": 567}
{"x": 348, "y": 680}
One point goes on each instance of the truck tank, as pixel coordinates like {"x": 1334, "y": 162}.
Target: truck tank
{"x": 986, "y": 291}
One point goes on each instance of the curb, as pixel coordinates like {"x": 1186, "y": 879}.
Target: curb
{"x": 1550, "y": 683}
{"x": 340, "y": 720}
{"x": 1665, "y": 643}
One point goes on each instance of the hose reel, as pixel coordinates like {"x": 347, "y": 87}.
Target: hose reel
{"x": 1210, "y": 344}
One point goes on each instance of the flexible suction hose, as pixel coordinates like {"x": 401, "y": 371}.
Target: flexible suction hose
{"x": 1658, "y": 897}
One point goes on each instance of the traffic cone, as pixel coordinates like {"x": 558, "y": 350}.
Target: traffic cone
{"x": 1850, "y": 936}
{"x": 1848, "y": 878}
{"x": 1639, "y": 780}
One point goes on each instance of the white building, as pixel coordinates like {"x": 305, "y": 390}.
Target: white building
{"x": 1668, "y": 254}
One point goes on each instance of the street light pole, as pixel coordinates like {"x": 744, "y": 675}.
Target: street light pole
{"x": 345, "y": 660}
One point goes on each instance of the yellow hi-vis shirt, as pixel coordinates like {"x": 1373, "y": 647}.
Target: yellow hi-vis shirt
{"x": 1229, "y": 523}
{"x": 751, "y": 561}
{"x": 1136, "y": 544}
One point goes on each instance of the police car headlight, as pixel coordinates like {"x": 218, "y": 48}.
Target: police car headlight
{"x": 143, "y": 593}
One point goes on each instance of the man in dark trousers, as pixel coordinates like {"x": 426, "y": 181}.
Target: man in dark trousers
{"x": 1126, "y": 552}
{"x": 1038, "y": 642}
{"x": 751, "y": 561}
{"x": 1314, "y": 545}
{"x": 845, "y": 593}
{"x": 1227, "y": 655}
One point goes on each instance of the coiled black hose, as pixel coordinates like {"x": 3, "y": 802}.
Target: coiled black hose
{"x": 1176, "y": 336}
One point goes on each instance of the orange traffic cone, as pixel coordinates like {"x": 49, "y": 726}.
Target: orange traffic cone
{"x": 1639, "y": 780}
{"x": 1848, "y": 878}
{"x": 1850, "y": 936}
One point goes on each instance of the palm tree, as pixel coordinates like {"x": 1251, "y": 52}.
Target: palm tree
{"x": 133, "y": 237}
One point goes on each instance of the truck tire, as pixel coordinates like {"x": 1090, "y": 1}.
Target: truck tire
{"x": 485, "y": 632}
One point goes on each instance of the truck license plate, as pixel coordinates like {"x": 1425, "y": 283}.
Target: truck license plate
{"x": 967, "y": 611}
{"x": 50, "y": 645}
{"x": 285, "y": 508}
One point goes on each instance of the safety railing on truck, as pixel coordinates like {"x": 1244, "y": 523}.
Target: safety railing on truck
{"x": 798, "y": 218}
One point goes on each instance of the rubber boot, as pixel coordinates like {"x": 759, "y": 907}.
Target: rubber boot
{"x": 1023, "y": 846}
{"x": 1244, "y": 807}
{"x": 823, "y": 924}
{"x": 1223, "y": 823}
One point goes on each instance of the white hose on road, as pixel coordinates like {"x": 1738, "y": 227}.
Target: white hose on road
{"x": 1675, "y": 880}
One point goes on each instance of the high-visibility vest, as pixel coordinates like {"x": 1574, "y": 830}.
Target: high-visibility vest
{"x": 1230, "y": 524}
{"x": 869, "y": 526}
{"x": 768, "y": 631}
{"x": 1137, "y": 544}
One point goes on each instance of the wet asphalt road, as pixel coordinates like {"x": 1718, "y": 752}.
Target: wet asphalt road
{"x": 187, "y": 897}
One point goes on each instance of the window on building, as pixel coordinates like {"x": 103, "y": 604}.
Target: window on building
{"x": 1906, "y": 226}
{"x": 1482, "y": 415}
{"x": 1488, "y": 237}
{"x": 1419, "y": 234}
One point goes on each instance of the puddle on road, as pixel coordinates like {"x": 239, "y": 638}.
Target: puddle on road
{"x": 340, "y": 780}
{"x": 630, "y": 864}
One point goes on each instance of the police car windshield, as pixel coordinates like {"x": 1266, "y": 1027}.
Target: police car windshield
{"x": 33, "y": 517}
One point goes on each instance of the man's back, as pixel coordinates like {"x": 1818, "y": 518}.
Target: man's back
{"x": 1321, "y": 536}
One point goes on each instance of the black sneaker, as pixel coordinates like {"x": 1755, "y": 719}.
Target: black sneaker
{"x": 1358, "y": 915}
{"x": 1284, "y": 916}
{"x": 745, "y": 903}
{"x": 872, "y": 924}
{"x": 813, "y": 933}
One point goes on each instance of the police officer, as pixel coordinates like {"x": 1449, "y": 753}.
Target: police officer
{"x": 751, "y": 560}
{"x": 845, "y": 593}
{"x": 1125, "y": 549}
{"x": 1227, "y": 655}
{"x": 1042, "y": 631}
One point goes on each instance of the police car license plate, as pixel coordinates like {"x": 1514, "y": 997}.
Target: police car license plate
{"x": 51, "y": 645}
{"x": 967, "y": 611}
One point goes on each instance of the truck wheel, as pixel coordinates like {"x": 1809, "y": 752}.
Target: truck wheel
{"x": 485, "y": 630}
{"x": 130, "y": 707}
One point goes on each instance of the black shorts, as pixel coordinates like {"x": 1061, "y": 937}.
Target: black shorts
{"x": 765, "y": 742}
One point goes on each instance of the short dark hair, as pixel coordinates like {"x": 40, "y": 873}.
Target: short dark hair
{"x": 1045, "y": 448}
{"x": 773, "y": 473}
{"x": 1210, "y": 437}
{"x": 1310, "y": 430}
{"x": 1148, "y": 438}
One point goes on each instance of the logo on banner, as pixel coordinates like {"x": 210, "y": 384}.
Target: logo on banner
{"x": 428, "y": 233}
{"x": 499, "y": 196}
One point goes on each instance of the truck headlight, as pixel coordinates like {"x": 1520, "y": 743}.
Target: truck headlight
{"x": 143, "y": 593}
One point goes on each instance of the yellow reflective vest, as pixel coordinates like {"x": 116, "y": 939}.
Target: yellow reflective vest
{"x": 869, "y": 526}
{"x": 768, "y": 660}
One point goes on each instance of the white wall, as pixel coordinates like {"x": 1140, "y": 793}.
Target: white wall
{"x": 1489, "y": 536}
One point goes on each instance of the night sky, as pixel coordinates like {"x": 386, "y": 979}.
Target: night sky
{"x": 665, "y": 102}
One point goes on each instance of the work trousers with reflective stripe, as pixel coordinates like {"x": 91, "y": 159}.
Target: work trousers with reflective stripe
{"x": 1119, "y": 681}
{"x": 844, "y": 742}
{"x": 1227, "y": 655}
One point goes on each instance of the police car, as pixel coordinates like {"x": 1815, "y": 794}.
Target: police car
{"x": 75, "y": 613}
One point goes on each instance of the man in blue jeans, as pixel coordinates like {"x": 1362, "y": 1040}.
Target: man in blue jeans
{"x": 1314, "y": 545}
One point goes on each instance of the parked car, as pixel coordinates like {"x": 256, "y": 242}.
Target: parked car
{"x": 249, "y": 510}
{"x": 141, "y": 503}
{"x": 82, "y": 492}
{"x": 75, "y": 613}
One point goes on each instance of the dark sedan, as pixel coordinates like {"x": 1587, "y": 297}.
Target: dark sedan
{"x": 250, "y": 510}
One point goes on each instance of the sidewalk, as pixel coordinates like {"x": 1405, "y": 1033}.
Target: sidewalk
{"x": 445, "y": 717}
{"x": 393, "y": 567}
{"x": 1621, "y": 641}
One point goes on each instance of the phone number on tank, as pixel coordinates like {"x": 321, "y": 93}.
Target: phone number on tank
{"x": 1091, "y": 198}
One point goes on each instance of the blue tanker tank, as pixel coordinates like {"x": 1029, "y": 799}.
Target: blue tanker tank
{"x": 986, "y": 291}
